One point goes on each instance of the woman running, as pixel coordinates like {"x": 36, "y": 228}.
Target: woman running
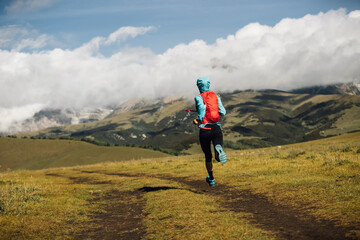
{"x": 209, "y": 108}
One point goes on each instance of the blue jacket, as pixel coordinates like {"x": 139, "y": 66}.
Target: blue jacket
{"x": 203, "y": 84}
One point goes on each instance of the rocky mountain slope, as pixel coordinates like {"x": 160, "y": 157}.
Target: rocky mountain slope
{"x": 352, "y": 88}
{"x": 58, "y": 117}
{"x": 254, "y": 119}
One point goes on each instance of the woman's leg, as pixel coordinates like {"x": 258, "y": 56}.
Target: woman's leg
{"x": 217, "y": 139}
{"x": 205, "y": 142}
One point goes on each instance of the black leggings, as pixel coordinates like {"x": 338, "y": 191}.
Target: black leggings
{"x": 206, "y": 136}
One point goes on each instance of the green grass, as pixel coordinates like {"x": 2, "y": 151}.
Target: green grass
{"x": 34, "y": 154}
{"x": 320, "y": 178}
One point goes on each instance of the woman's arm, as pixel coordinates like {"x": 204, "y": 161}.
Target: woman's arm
{"x": 200, "y": 107}
{"x": 222, "y": 110}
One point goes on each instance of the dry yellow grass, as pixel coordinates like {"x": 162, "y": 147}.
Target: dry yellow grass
{"x": 42, "y": 153}
{"x": 318, "y": 180}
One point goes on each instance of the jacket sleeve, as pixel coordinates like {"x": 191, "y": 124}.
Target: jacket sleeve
{"x": 222, "y": 110}
{"x": 200, "y": 107}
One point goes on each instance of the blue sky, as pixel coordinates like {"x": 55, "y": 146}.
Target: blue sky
{"x": 73, "y": 22}
{"x": 87, "y": 54}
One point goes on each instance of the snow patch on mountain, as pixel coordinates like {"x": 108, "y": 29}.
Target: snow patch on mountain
{"x": 56, "y": 117}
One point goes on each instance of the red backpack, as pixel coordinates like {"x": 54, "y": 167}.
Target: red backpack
{"x": 212, "y": 107}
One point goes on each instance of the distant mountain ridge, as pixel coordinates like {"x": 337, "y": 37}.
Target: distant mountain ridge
{"x": 254, "y": 119}
{"x": 61, "y": 117}
{"x": 341, "y": 88}
{"x": 58, "y": 117}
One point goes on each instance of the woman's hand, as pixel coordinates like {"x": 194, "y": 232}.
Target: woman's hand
{"x": 195, "y": 122}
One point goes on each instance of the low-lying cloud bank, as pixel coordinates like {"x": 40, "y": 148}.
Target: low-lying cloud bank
{"x": 314, "y": 49}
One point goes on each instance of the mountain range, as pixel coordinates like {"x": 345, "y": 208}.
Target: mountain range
{"x": 254, "y": 119}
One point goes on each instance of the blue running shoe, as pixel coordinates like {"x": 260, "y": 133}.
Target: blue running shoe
{"x": 210, "y": 182}
{"x": 220, "y": 154}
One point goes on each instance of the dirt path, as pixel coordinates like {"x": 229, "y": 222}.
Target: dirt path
{"x": 119, "y": 215}
{"x": 125, "y": 221}
{"x": 286, "y": 222}
{"x": 118, "y": 219}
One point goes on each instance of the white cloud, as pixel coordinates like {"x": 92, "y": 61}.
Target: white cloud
{"x": 18, "y": 114}
{"x": 124, "y": 32}
{"x": 20, "y": 6}
{"x": 9, "y": 33}
{"x": 92, "y": 46}
{"x": 119, "y": 35}
{"x": 18, "y": 38}
{"x": 315, "y": 49}
{"x": 31, "y": 43}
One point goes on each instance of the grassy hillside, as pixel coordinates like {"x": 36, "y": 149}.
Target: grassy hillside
{"x": 42, "y": 153}
{"x": 253, "y": 120}
{"x": 300, "y": 191}
{"x": 271, "y": 118}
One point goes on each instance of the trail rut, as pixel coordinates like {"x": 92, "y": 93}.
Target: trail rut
{"x": 284, "y": 221}
{"x": 124, "y": 221}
